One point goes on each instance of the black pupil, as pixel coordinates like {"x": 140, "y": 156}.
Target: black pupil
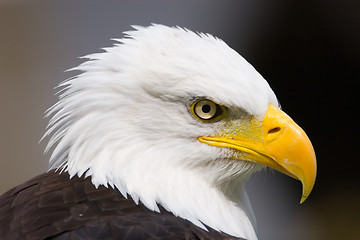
{"x": 205, "y": 108}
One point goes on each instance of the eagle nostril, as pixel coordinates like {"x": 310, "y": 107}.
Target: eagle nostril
{"x": 274, "y": 130}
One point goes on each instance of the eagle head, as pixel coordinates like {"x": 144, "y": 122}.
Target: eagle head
{"x": 177, "y": 119}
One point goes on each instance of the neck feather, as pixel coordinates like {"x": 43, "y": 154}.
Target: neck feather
{"x": 187, "y": 192}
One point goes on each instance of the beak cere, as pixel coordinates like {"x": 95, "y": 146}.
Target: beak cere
{"x": 279, "y": 144}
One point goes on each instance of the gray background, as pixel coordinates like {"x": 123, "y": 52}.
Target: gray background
{"x": 308, "y": 51}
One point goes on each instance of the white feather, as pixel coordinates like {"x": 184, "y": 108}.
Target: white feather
{"x": 125, "y": 121}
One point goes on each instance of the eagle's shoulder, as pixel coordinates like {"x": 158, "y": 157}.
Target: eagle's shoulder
{"x": 52, "y": 206}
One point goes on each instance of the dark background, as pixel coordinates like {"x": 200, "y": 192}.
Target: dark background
{"x": 307, "y": 50}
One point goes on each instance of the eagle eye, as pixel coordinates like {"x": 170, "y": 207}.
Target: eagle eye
{"x": 206, "y": 110}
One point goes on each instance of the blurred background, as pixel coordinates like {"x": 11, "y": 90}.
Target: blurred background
{"x": 307, "y": 50}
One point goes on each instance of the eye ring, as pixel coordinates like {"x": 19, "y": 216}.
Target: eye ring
{"x": 206, "y": 110}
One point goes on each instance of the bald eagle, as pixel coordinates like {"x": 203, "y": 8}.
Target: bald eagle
{"x": 155, "y": 139}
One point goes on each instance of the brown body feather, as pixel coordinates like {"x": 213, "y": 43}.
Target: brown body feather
{"x": 53, "y": 206}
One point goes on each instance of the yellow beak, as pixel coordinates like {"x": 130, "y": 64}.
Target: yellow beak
{"x": 279, "y": 143}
